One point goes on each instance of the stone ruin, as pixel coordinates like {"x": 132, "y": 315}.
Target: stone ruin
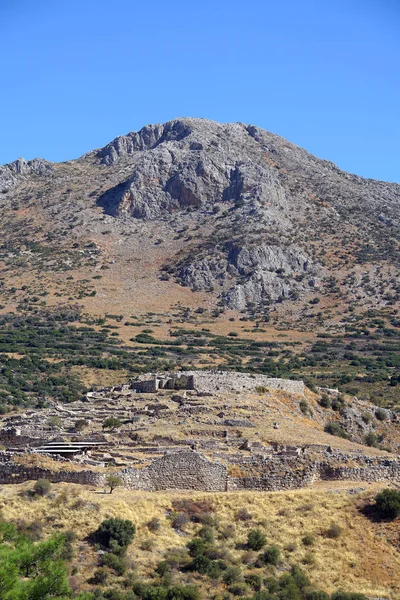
{"x": 214, "y": 454}
{"x": 215, "y": 381}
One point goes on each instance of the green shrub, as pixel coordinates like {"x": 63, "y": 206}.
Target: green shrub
{"x": 114, "y": 562}
{"x": 270, "y": 556}
{"x": 238, "y": 589}
{"x": 334, "y": 428}
{"x": 303, "y": 407}
{"x": 232, "y": 575}
{"x": 371, "y": 439}
{"x": 42, "y": 487}
{"x": 380, "y": 414}
{"x": 387, "y": 503}
{"x": 256, "y": 539}
{"x": 325, "y": 401}
{"x": 115, "y": 530}
{"x": 154, "y": 525}
{"x": 308, "y": 539}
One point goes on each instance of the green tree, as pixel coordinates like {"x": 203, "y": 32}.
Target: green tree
{"x": 112, "y": 423}
{"x": 113, "y": 481}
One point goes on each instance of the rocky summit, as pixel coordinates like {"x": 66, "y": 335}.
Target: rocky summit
{"x": 241, "y": 213}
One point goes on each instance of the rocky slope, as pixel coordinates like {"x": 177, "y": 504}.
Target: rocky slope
{"x": 241, "y": 213}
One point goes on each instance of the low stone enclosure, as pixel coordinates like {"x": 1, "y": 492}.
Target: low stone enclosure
{"x": 214, "y": 381}
{"x": 189, "y": 470}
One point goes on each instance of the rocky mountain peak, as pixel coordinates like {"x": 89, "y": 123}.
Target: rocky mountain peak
{"x": 13, "y": 173}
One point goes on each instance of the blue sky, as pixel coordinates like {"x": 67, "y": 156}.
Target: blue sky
{"x": 325, "y": 74}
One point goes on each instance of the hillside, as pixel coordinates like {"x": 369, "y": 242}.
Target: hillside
{"x": 225, "y": 238}
{"x": 162, "y": 301}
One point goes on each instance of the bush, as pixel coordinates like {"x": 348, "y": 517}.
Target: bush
{"x": 303, "y": 407}
{"x": 115, "y": 530}
{"x": 308, "y": 539}
{"x": 371, "y": 439}
{"x": 154, "y": 525}
{"x": 179, "y": 520}
{"x": 334, "y": 531}
{"x": 112, "y": 423}
{"x": 256, "y": 539}
{"x": 243, "y": 515}
{"x": 387, "y": 503}
{"x": 232, "y": 575}
{"x": 42, "y": 487}
{"x": 380, "y": 414}
{"x": 114, "y": 562}
{"x": 254, "y": 580}
{"x": 238, "y": 589}
{"x": 334, "y": 429}
{"x": 207, "y": 534}
{"x": 270, "y": 556}
{"x": 325, "y": 401}
{"x": 99, "y": 576}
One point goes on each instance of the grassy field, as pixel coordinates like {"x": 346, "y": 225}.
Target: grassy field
{"x": 363, "y": 558}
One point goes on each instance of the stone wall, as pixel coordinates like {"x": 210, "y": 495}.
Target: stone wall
{"x": 215, "y": 381}
{"x": 185, "y": 470}
{"x": 188, "y": 470}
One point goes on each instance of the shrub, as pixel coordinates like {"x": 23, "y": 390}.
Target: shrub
{"x": 334, "y": 429}
{"x": 308, "y": 539}
{"x": 112, "y": 423}
{"x": 115, "y": 530}
{"x": 380, "y": 414}
{"x": 154, "y": 525}
{"x": 387, "y": 503}
{"x": 147, "y": 545}
{"x": 232, "y": 575}
{"x": 325, "y": 401}
{"x": 99, "y": 576}
{"x": 179, "y": 520}
{"x": 371, "y": 439}
{"x": 341, "y": 595}
{"x": 256, "y": 539}
{"x": 42, "y": 487}
{"x": 207, "y": 534}
{"x": 334, "y": 531}
{"x": 254, "y": 580}
{"x": 238, "y": 589}
{"x": 114, "y": 562}
{"x": 196, "y": 547}
{"x": 270, "y": 556}
{"x": 303, "y": 407}
{"x": 243, "y": 515}
{"x": 162, "y": 568}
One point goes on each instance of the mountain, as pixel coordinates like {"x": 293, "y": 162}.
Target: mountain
{"x": 259, "y": 221}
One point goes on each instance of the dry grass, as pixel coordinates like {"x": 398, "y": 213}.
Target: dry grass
{"x": 361, "y": 560}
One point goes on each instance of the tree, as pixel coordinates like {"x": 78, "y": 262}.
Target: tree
{"x": 112, "y": 423}
{"x": 113, "y": 481}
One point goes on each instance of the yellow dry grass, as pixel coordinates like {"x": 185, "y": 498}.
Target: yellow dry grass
{"x": 361, "y": 560}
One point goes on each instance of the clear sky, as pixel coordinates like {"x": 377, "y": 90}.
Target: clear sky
{"x": 324, "y": 74}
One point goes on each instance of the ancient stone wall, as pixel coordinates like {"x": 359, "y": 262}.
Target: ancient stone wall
{"x": 215, "y": 381}
{"x": 188, "y": 470}
{"x": 185, "y": 470}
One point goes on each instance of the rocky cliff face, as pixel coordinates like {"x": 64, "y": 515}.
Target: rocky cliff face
{"x": 265, "y": 221}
